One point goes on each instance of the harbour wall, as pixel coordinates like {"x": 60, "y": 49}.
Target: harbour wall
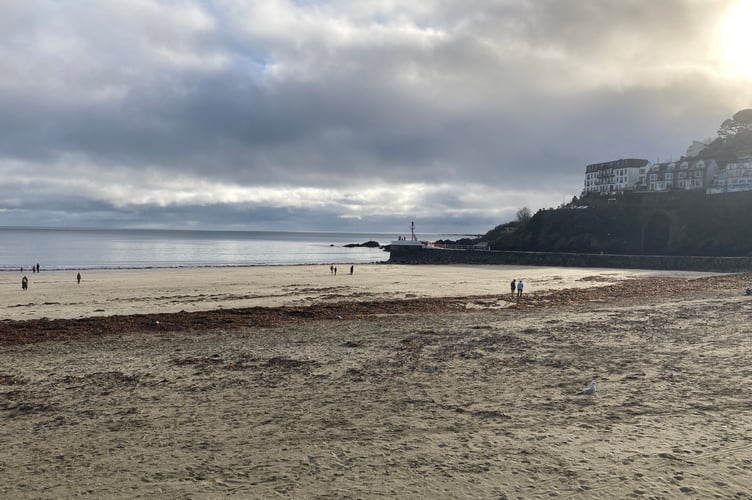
{"x": 660, "y": 262}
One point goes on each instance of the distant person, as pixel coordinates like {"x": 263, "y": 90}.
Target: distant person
{"x": 514, "y": 287}
{"x": 37, "y": 266}
{"x": 352, "y": 269}
{"x": 24, "y": 283}
{"x": 335, "y": 270}
{"x": 78, "y": 278}
{"x": 520, "y": 286}
{"x": 331, "y": 269}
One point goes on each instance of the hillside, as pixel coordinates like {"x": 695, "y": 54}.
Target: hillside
{"x": 664, "y": 223}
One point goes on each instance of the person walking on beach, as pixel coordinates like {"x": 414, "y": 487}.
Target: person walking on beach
{"x": 520, "y": 286}
{"x": 352, "y": 269}
{"x": 514, "y": 287}
{"x": 24, "y": 283}
{"x": 78, "y": 278}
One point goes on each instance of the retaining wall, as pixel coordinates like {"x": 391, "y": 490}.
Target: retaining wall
{"x": 439, "y": 256}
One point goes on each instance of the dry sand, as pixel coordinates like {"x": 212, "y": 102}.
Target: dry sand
{"x": 434, "y": 385}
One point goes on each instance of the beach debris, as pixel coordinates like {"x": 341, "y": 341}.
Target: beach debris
{"x": 591, "y": 390}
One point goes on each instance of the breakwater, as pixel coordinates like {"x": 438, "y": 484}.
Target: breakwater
{"x": 553, "y": 259}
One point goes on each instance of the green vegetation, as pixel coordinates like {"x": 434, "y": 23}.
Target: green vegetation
{"x": 674, "y": 223}
{"x": 734, "y": 139}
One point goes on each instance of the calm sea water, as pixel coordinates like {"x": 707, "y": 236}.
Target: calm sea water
{"x": 64, "y": 249}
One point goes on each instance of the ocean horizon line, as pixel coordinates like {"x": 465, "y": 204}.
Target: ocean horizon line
{"x": 209, "y": 230}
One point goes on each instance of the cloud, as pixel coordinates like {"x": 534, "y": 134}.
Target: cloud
{"x": 326, "y": 113}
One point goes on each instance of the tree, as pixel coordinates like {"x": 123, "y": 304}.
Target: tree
{"x": 744, "y": 116}
{"x": 523, "y": 215}
{"x": 741, "y": 121}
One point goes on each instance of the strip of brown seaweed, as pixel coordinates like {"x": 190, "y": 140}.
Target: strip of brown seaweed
{"x": 38, "y": 330}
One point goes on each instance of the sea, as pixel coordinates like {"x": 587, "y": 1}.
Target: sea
{"x": 69, "y": 249}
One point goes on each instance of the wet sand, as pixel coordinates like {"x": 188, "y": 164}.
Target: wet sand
{"x": 410, "y": 391}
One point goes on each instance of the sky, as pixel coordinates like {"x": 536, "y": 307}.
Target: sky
{"x": 355, "y": 116}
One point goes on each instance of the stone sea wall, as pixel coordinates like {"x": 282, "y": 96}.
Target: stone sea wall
{"x": 442, "y": 256}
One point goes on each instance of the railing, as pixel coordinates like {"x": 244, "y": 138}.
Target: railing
{"x": 450, "y": 246}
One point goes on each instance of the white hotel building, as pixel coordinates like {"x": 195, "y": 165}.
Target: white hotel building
{"x": 614, "y": 176}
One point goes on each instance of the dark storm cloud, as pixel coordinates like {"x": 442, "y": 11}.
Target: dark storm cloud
{"x": 274, "y": 111}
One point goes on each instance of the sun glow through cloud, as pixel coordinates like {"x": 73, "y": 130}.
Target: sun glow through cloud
{"x": 736, "y": 38}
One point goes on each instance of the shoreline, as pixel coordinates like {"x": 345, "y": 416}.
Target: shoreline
{"x": 185, "y": 267}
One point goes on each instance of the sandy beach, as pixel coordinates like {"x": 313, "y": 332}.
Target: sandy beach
{"x": 393, "y": 382}
{"x": 55, "y": 294}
